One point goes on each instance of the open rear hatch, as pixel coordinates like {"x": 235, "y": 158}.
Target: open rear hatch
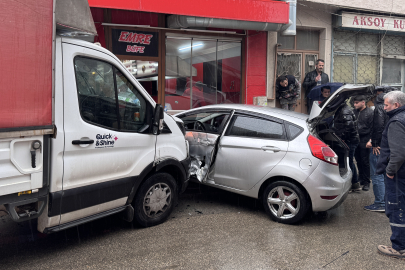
{"x": 320, "y": 120}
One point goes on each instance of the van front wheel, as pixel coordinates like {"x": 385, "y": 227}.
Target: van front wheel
{"x": 155, "y": 200}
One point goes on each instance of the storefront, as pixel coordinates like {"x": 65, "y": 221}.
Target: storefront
{"x": 369, "y": 49}
{"x": 187, "y": 68}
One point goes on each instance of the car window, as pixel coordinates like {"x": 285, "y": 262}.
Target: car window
{"x": 293, "y": 131}
{"x": 96, "y": 92}
{"x": 132, "y": 105}
{"x": 253, "y": 127}
{"x": 210, "y": 122}
{"x": 107, "y": 98}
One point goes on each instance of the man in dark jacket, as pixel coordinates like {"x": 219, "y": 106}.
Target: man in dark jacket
{"x": 364, "y": 116}
{"x": 314, "y": 78}
{"x": 391, "y": 164}
{"x": 288, "y": 89}
{"x": 380, "y": 118}
{"x": 345, "y": 126}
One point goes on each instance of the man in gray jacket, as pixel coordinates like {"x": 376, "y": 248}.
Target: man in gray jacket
{"x": 391, "y": 164}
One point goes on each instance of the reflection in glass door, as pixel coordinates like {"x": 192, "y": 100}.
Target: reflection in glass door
{"x": 201, "y": 72}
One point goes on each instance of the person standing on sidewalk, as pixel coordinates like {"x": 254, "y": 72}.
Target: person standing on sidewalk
{"x": 314, "y": 78}
{"x": 380, "y": 118}
{"x": 391, "y": 164}
{"x": 364, "y": 117}
{"x": 288, "y": 89}
{"x": 345, "y": 126}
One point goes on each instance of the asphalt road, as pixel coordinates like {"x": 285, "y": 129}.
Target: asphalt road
{"x": 209, "y": 229}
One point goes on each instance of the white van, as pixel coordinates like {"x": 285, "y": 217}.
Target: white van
{"x": 110, "y": 147}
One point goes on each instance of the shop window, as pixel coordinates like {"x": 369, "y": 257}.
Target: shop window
{"x": 343, "y": 66}
{"x": 393, "y": 72}
{"x": 201, "y": 72}
{"x": 394, "y": 45}
{"x": 307, "y": 40}
{"x": 287, "y": 42}
{"x": 356, "y": 57}
{"x": 344, "y": 41}
{"x": 367, "y": 69}
{"x": 367, "y": 43}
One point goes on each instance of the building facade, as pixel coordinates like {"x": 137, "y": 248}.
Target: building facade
{"x": 362, "y": 42}
{"x": 180, "y": 54}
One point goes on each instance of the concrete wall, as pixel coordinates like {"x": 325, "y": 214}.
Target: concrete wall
{"x": 394, "y": 6}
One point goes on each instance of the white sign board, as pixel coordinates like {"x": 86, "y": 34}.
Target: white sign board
{"x": 364, "y": 21}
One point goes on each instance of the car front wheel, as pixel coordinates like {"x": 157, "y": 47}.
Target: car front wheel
{"x": 155, "y": 200}
{"x": 285, "y": 202}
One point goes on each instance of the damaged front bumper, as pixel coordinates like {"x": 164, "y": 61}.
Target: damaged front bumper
{"x": 202, "y": 154}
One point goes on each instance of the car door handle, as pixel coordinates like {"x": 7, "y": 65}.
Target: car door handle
{"x": 271, "y": 148}
{"x": 77, "y": 142}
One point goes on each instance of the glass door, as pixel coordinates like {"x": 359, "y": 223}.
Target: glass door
{"x": 202, "y": 71}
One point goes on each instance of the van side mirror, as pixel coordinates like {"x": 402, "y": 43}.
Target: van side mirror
{"x": 158, "y": 116}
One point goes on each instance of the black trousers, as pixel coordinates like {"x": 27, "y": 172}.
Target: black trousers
{"x": 362, "y": 156}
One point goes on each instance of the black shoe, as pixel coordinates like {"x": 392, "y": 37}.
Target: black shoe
{"x": 366, "y": 187}
{"x": 356, "y": 186}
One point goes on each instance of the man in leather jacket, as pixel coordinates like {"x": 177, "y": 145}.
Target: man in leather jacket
{"x": 288, "y": 89}
{"x": 364, "y": 117}
{"x": 345, "y": 126}
{"x": 314, "y": 78}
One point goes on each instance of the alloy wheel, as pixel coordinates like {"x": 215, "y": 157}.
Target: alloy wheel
{"x": 283, "y": 202}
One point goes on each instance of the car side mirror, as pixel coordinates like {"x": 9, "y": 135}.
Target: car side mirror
{"x": 158, "y": 116}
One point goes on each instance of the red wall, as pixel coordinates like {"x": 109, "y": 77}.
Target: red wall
{"x": 256, "y": 65}
{"x": 26, "y": 63}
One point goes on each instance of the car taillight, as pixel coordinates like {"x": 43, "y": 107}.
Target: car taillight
{"x": 320, "y": 150}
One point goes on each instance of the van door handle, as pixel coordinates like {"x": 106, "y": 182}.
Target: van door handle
{"x": 271, "y": 148}
{"x": 76, "y": 142}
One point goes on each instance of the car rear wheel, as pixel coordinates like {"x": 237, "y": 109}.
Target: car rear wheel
{"x": 155, "y": 200}
{"x": 285, "y": 202}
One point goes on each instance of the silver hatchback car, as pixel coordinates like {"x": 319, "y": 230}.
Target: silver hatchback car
{"x": 292, "y": 162}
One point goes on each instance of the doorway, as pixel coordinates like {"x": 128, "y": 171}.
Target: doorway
{"x": 297, "y": 56}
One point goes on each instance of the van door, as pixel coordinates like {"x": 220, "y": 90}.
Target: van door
{"x": 107, "y": 140}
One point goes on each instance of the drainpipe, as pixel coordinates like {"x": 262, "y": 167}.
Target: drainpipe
{"x": 291, "y": 30}
{"x": 181, "y": 21}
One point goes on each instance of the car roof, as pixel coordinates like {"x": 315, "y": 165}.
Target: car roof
{"x": 276, "y": 112}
